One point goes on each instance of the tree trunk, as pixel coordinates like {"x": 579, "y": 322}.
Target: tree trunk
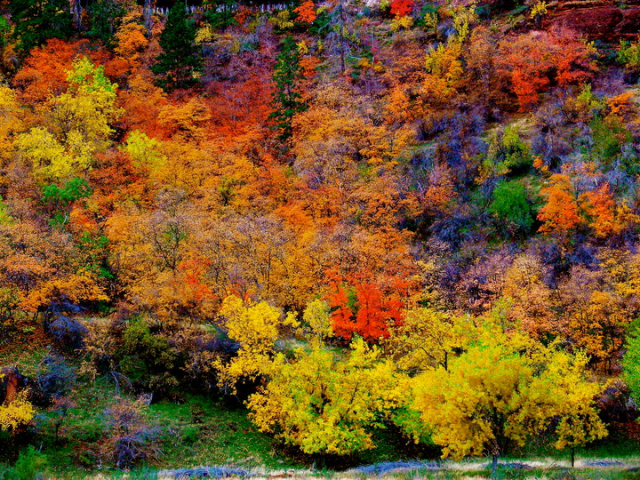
{"x": 147, "y": 12}
{"x": 573, "y": 457}
{"x": 76, "y": 11}
{"x": 494, "y": 466}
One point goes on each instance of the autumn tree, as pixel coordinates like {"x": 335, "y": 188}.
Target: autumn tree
{"x": 16, "y": 414}
{"x": 502, "y": 391}
{"x": 256, "y": 327}
{"x": 530, "y": 298}
{"x": 533, "y": 61}
{"x": 362, "y": 310}
{"x": 325, "y": 404}
{"x": 560, "y": 213}
{"x": 306, "y": 11}
{"x": 287, "y": 99}
{"x": 79, "y": 125}
{"x": 427, "y": 338}
{"x": 599, "y": 207}
{"x": 401, "y": 8}
{"x": 181, "y": 59}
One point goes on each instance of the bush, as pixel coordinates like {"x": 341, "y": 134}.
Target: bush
{"x": 130, "y": 440}
{"x": 629, "y": 55}
{"x": 147, "y": 359}
{"x": 510, "y": 204}
{"x": 513, "y": 154}
{"x": 57, "y": 378}
{"x": 30, "y": 464}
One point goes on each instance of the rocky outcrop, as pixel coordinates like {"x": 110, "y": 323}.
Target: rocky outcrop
{"x": 596, "y": 19}
{"x": 12, "y": 382}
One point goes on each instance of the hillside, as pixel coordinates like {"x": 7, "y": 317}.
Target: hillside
{"x": 303, "y": 238}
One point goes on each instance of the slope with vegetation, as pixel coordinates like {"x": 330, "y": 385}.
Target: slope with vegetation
{"x": 327, "y": 234}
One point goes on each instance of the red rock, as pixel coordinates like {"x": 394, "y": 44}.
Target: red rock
{"x": 596, "y": 21}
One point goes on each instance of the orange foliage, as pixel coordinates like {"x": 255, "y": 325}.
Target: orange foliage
{"x": 441, "y": 193}
{"x": 560, "y": 213}
{"x": 621, "y": 105}
{"x": 308, "y": 65}
{"x": 535, "y": 61}
{"x": 306, "y": 11}
{"x": 44, "y": 72}
{"x": 600, "y": 209}
{"x": 242, "y": 14}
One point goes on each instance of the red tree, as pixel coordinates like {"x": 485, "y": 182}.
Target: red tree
{"x": 402, "y": 8}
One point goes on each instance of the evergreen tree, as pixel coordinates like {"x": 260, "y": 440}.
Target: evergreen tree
{"x": 181, "y": 57}
{"x": 38, "y": 20}
{"x": 287, "y": 99}
{"x": 220, "y": 13}
{"x": 106, "y": 16}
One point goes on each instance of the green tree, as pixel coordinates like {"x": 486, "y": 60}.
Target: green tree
{"x": 38, "y": 20}
{"x": 181, "y": 58}
{"x": 61, "y": 199}
{"x": 106, "y": 16}
{"x": 220, "y": 13}
{"x": 287, "y": 99}
{"x": 510, "y": 204}
{"x": 631, "y": 364}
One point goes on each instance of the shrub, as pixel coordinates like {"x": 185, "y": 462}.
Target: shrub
{"x": 533, "y": 62}
{"x": 130, "y": 440}
{"x": 56, "y": 378}
{"x": 508, "y": 154}
{"x": 510, "y": 204}
{"x": 629, "y": 55}
{"x": 30, "y": 464}
{"x": 147, "y": 358}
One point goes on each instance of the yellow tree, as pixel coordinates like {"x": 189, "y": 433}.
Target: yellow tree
{"x": 501, "y": 391}
{"x": 325, "y": 404}
{"x": 317, "y": 316}
{"x": 75, "y": 127}
{"x": 16, "y": 414}
{"x": 256, "y": 327}
{"x": 10, "y": 125}
{"x": 579, "y": 422}
{"x": 427, "y": 338}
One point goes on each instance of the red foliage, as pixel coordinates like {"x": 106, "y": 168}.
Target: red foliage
{"x": 45, "y": 71}
{"x": 402, "y": 8}
{"x": 372, "y": 314}
{"x": 535, "y": 61}
{"x": 194, "y": 271}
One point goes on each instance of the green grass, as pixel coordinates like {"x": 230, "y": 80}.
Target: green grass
{"x": 216, "y": 436}
{"x": 26, "y": 359}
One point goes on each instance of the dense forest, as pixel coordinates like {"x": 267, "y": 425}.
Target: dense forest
{"x": 317, "y": 234}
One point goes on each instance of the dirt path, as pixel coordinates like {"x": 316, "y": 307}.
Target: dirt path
{"x": 416, "y": 469}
